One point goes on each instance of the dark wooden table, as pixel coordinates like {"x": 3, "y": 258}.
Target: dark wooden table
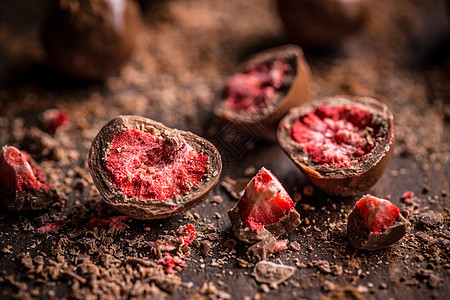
{"x": 186, "y": 50}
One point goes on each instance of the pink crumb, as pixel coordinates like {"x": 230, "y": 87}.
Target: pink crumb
{"x": 187, "y": 233}
{"x": 281, "y": 245}
{"x": 407, "y": 197}
{"x": 171, "y": 262}
{"x": 162, "y": 247}
{"x": 49, "y": 228}
{"x": 53, "y": 120}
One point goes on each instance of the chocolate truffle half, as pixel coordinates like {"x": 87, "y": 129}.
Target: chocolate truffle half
{"x": 149, "y": 171}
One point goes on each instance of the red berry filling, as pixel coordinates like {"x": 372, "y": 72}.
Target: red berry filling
{"x": 264, "y": 201}
{"x": 335, "y": 135}
{"x": 150, "y": 167}
{"x": 252, "y": 90}
{"x": 378, "y": 214}
{"x": 16, "y": 171}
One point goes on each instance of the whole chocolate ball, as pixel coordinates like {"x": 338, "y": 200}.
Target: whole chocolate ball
{"x": 320, "y": 23}
{"x": 90, "y": 39}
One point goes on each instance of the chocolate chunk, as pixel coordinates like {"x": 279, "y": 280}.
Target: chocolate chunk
{"x": 204, "y": 248}
{"x": 262, "y": 250}
{"x": 268, "y": 272}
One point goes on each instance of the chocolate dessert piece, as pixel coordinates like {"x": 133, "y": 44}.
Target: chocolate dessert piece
{"x": 266, "y": 87}
{"x": 90, "y": 39}
{"x": 375, "y": 223}
{"x": 264, "y": 210}
{"x": 342, "y": 144}
{"x": 148, "y": 171}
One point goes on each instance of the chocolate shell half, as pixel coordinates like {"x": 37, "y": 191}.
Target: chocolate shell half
{"x": 166, "y": 200}
{"x": 292, "y": 90}
{"x": 367, "y": 148}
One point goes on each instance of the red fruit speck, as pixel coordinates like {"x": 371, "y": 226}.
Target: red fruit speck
{"x": 378, "y": 214}
{"x": 49, "y": 228}
{"x": 265, "y": 201}
{"x": 187, "y": 233}
{"x": 407, "y": 197}
{"x": 281, "y": 245}
{"x": 17, "y": 172}
{"x": 53, "y": 120}
{"x": 170, "y": 262}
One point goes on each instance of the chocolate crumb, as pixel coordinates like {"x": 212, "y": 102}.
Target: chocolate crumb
{"x": 204, "y": 248}
{"x": 262, "y": 250}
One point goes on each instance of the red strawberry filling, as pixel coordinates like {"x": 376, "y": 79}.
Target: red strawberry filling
{"x": 265, "y": 201}
{"x": 152, "y": 167}
{"x": 378, "y": 214}
{"x": 252, "y": 90}
{"x": 339, "y": 135}
{"x": 17, "y": 172}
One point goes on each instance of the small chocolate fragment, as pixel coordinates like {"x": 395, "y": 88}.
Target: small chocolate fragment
{"x": 262, "y": 250}
{"x": 234, "y": 186}
{"x": 430, "y": 220}
{"x": 204, "y": 248}
{"x": 269, "y": 272}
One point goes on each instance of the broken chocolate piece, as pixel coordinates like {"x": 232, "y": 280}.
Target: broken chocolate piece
{"x": 22, "y": 183}
{"x": 430, "y": 220}
{"x": 234, "y": 186}
{"x": 375, "y": 223}
{"x": 142, "y": 175}
{"x": 269, "y": 272}
{"x": 262, "y": 250}
{"x": 342, "y": 144}
{"x": 264, "y": 210}
{"x": 268, "y": 85}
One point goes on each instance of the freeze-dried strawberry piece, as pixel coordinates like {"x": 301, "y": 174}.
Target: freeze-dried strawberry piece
{"x": 265, "y": 209}
{"x": 281, "y": 245}
{"x": 49, "y": 228}
{"x": 53, "y": 120}
{"x": 375, "y": 223}
{"x": 378, "y": 214}
{"x": 172, "y": 263}
{"x": 187, "y": 233}
{"x": 22, "y": 183}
